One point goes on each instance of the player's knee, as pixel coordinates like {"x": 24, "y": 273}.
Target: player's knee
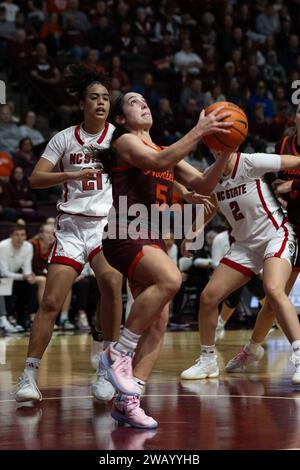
{"x": 208, "y": 298}
{"x": 49, "y": 305}
{"x": 172, "y": 282}
{"x": 274, "y": 291}
{"x": 111, "y": 281}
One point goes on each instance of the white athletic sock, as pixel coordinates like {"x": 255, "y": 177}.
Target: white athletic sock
{"x": 127, "y": 343}
{"x": 221, "y": 322}
{"x": 107, "y": 343}
{"x": 208, "y": 351}
{"x": 140, "y": 385}
{"x": 32, "y": 365}
{"x": 296, "y": 346}
{"x": 251, "y": 346}
{"x": 63, "y": 317}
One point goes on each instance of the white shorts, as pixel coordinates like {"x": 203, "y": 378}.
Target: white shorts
{"x": 78, "y": 240}
{"x": 282, "y": 244}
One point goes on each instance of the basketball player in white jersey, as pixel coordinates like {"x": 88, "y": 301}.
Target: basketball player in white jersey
{"x": 263, "y": 239}
{"x": 83, "y": 210}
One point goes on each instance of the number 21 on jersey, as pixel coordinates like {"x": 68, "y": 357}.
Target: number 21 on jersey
{"x": 92, "y": 185}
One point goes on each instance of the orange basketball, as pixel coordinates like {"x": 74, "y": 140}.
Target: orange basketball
{"x": 238, "y": 132}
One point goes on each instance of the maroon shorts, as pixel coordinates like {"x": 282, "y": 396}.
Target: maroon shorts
{"x": 124, "y": 255}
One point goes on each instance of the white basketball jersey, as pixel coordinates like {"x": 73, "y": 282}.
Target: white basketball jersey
{"x": 246, "y": 200}
{"x": 71, "y": 150}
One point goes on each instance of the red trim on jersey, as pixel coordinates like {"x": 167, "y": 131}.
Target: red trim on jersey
{"x": 238, "y": 156}
{"x": 237, "y": 267}
{"x": 104, "y": 132}
{"x": 77, "y": 135}
{"x": 283, "y": 245}
{"x": 66, "y": 189}
{"x": 94, "y": 252}
{"x": 67, "y": 261}
{"x": 294, "y": 146}
{"x": 100, "y": 138}
{"x": 264, "y": 204}
{"x": 282, "y": 145}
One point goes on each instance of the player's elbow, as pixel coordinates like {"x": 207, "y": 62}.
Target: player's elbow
{"x": 33, "y": 181}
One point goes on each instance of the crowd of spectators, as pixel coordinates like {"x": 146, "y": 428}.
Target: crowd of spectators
{"x": 181, "y": 55}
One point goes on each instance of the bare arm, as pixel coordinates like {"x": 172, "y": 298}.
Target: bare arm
{"x": 203, "y": 183}
{"x": 131, "y": 149}
{"x": 195, "y": 230}
{"x": 44, "y": 177}
{"x": 289, "y": 162}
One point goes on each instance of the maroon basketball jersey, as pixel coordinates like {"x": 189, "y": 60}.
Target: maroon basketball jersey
{"x": 146, "y": 187}
{"x": 288, "y": 146}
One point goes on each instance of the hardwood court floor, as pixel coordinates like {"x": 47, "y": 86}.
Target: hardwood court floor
{"x": 256, "y": 410}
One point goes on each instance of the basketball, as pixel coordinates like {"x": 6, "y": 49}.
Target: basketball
{"x": 238, "y": 132}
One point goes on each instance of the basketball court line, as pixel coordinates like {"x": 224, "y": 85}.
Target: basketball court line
{"x": 76, "y": 397}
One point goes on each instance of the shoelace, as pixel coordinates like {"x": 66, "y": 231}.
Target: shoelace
{"x": 242, "y": 357}
{"x": 125, "y": 364}
{"x": 295, "y": 359}
{"x": 134, "y": 404}
{"x": 22, "y": 380}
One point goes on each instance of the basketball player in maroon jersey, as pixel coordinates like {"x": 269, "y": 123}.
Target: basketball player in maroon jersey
{"x": 144, "y": 173}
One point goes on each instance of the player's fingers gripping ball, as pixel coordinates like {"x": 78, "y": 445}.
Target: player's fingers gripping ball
{"x": 238, "y": 131}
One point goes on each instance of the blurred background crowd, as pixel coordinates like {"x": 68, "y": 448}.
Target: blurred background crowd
{"x": 181, "y": 55}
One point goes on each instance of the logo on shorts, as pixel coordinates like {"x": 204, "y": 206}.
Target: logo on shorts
{"x": 291, "y": 247}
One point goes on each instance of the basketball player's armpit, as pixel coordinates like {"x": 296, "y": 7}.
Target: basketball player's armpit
{"x": 296, "y": 185}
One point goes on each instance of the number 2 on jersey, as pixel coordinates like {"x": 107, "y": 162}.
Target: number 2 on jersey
{"x": 236, "y": 211}
{"x": 92, "y": 184}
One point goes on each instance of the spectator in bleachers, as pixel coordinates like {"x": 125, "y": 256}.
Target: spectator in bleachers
{"x": 194, "y": 91}
{"x": 280, "y": 96}
{"x": 50, "y": 26}
{"x": 148, "y": 90}
{"x": 214, "y": 95}
{"x": 258, "y": 124}
{"x": 20, "y": 48}
{"x": 10, "y": 134}
{"x": 73, "y": 41}
{"x": 274, "y": 72}
{"x": 11, "y": 10}
{"x": 268, "y": 21}
{"x": 187, "y": 61}
{"x": 6, "y": 165}
{"x": 78, "y": 17}
{"x": 21, "y": 198}
{"x": 101, "y": 36}
{"x": 261, "y": 96}
{"x": 28, "y": 129}
{"x": 92, "y": 61}
{"x": 280, "y": 122}
{"x": 45, "y": 73}
{"x": 124, "y": 45}
{"x": 16, "y": 263}
{"x": 25, "y": 157}
{"x": 117, "y": 71}
{"x": 164, "y": 129}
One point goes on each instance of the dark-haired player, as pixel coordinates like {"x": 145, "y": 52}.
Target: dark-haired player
{"x": 83, "y": 209}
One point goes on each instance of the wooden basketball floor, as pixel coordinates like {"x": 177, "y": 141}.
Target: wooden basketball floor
{"x": 259, "y": 409}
